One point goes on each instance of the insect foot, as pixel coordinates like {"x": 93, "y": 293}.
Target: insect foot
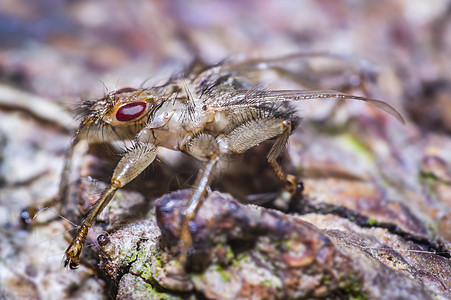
{"x": 74, "y": 250}
{"x": 293, "y": 186}
{"x": 28, "y": 214}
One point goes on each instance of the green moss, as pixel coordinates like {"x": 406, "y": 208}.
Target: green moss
{"x": 130, "y": 257}
{"x": 222, "y": 272}
{"x": 154, "y": 294}
{"x": 157, "y": 259}
{"x": 294, "y": 236}
{"x": 431, "y": 178}
{"x": 355, "y": 144}
{"x": 428, "y": 177}
{"x": 271, "y": 284}
{"x": 277, "y": 243}
{"x": 354, "y": 291}
{"x": 239, "y": 259}
{"x": 287, "y": 243}
{"x": 229, "y": 254}
{"x": 430, "y": 183}
{"x": 266, "y": 283}
{"x": 136, "y": 256}
{"x": 351, "y": 287}
{"x": 197, "y": 276}
{"x": 362, "y": 297}
{"x": 146, "y": 272}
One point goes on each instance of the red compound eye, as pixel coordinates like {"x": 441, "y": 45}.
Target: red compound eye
{"x": 130, "y": 111}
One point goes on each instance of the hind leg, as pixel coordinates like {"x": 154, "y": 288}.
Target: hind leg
{"x": 292, "y": 185}
{"x": 253, "y": 133}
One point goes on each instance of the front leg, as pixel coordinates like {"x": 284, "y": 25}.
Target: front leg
{"x": 130, "y": 166}
{"x": 29, "y": 213}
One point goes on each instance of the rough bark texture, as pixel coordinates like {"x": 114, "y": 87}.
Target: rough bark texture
{"x": 375, "y": 220}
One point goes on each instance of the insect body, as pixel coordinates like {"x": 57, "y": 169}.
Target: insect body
{"x": 208, "y": 114}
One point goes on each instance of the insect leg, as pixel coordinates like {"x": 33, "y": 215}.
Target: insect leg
{"x": 27, "y": 215}
{"x": 195, "y": 202}
{"x": 130, "y": 166}
{"x": 252, "y": 133}
{"x": 203, "y": 147}
{"x": 291, "y": 183}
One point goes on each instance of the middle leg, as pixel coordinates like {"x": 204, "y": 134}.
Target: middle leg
{"x": 203, "y": 147}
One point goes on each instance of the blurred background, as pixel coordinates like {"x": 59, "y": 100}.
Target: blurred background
{"x": 54, "y": 53}
{"x": 65, "y": 50}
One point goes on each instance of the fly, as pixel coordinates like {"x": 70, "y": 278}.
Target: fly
{"x": 209, "y": 114}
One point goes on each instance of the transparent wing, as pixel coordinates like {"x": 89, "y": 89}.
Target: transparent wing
{"x": 304, "y": 71}
{"x": 246, "y": 98}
